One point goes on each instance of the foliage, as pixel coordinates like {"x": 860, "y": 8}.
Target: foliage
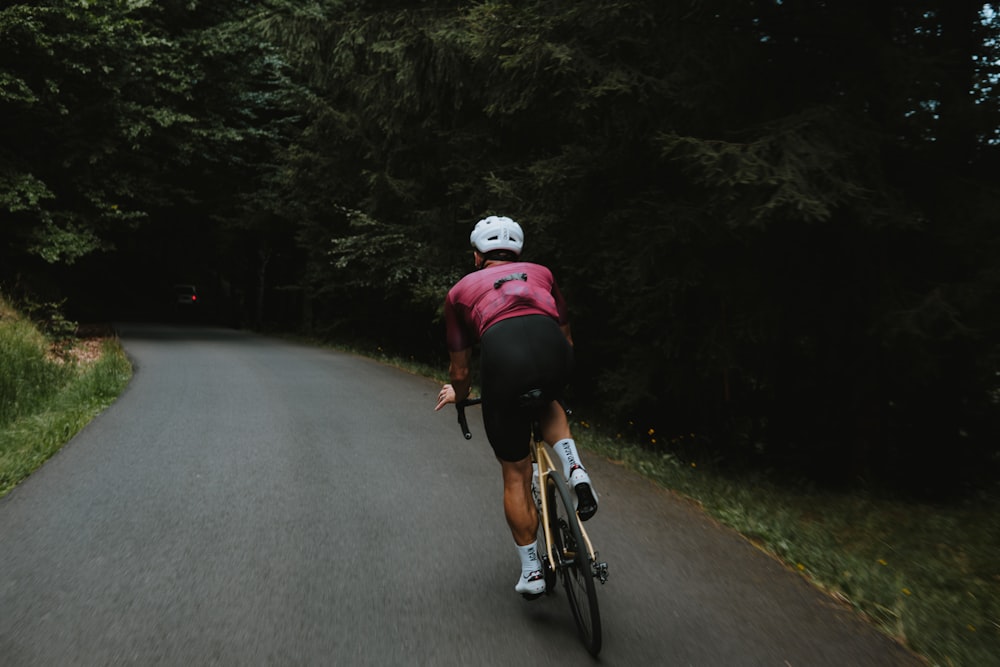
{"x": 88, "y": 92}
{"x": 128, "y": 123}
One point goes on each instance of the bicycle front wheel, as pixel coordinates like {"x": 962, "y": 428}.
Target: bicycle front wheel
{"x": 575, "y": 566}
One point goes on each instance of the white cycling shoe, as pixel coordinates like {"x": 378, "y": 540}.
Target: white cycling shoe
{"x": 531, "y": 584}
{"x": 584, "y": 495}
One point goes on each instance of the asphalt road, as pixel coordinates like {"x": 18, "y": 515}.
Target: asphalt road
{"x": 255, "y": 502}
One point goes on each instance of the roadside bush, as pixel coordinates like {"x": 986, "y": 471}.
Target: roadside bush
{"x": 27, "y": 375}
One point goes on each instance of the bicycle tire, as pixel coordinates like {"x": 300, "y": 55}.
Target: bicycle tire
{"x": 575, "y": 567}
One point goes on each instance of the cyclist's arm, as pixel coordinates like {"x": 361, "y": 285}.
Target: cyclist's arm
{"x": 563, "y": 313}
{"x": 460, "y": 372}
{"x": 567, "y": 333}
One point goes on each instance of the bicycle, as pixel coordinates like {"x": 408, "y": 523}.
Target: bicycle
{"x": 563, "y": 534}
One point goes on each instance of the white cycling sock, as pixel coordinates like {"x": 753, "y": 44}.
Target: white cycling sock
{"x": 566, "y": 451}
{"x": 529, "y": 557}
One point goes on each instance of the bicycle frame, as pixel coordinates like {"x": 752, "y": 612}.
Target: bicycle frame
{"x": 545, "y": 468}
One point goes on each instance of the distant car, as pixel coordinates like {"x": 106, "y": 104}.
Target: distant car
{"x": 185, "y": 296}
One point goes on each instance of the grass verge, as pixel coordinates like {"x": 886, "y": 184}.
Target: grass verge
{"x": 48, "y": 392}
{"x": 925, "y": 574}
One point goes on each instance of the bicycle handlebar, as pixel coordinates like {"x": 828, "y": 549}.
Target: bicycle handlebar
{"x": 462, "y": 421}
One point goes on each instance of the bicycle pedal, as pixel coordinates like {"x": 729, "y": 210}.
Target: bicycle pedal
{"x": 601, "y": 572}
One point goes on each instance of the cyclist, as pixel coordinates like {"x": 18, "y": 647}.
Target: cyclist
{"x": 517, "y": 314}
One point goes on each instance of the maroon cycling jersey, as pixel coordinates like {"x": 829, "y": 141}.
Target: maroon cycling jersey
{"x": 496, "y": 293}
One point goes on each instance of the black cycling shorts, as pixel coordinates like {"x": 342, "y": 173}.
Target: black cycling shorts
{"x": 519, "y": 355}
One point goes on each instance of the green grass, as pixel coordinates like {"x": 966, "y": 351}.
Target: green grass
{"x": 27, "y": 376}
{"x": 45, "y": 399}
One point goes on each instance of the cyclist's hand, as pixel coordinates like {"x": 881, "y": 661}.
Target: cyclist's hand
{"x": 446, "y": 396}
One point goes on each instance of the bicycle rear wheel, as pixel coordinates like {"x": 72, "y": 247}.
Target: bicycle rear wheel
{"x": 575, "y": 566}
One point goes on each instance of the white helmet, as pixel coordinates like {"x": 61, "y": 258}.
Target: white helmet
{"x": 497, "y": 233}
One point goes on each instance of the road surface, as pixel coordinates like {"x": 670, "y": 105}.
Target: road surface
{"x": 249, "y": 501}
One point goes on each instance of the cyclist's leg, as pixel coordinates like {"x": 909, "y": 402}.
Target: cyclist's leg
{"x": 556, "y": 432}
{"x": 507, "y": 428}
{"x": 555, "y": 424}
{"x": 564, "y": 447}
{"x": 522, "y": 517}
{"x": 518, "y": 505}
